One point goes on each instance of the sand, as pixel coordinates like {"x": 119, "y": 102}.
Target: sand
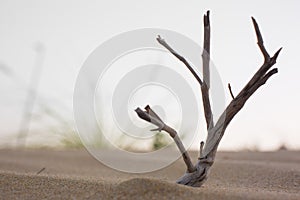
{"x": 75, "y": 174}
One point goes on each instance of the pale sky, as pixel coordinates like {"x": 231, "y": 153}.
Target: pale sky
{"x": 70, "y": 30}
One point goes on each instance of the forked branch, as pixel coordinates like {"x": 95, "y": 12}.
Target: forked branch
{"x": 150, "y": 116}
{"x": 196, "y": 175}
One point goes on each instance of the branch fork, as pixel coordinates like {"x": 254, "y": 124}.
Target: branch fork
{"x": 150, "y": 116}
{"x": 197, "y": 174}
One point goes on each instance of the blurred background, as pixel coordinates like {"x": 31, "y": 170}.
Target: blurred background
{"x": 43, "y": 45}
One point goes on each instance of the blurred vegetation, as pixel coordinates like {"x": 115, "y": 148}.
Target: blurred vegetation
{"x": 46, "y": 121}
{"x": 282, "y": 147}
{"x": 70, "y": 139}
{"x": 61, "y": 127}
{"x": 66, "y": 130}
{"x": 52, "y": 127}
{"x": 159, "y": 141}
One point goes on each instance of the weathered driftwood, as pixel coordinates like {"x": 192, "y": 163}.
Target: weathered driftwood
{"x": 197, "y": 174}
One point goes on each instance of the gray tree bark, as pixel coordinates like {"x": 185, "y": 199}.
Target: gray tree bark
{"x": 197, "y": 174}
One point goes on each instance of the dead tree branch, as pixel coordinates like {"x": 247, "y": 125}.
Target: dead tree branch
{"x": 196, "y": 175}
{"x": 150, "y": 116}
{"x": 181, "y": 58}
{"x": 230, "y": 90}
{"x": 206, "y": 74}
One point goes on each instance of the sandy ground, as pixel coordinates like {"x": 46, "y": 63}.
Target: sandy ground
{"x": 75, "y": 174}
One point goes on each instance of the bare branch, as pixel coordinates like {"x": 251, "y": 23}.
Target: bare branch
{"x": 268, "y": 75}
{"x": 197, "y": 175}
{"x": 150, "y": 116}
{"x": 269, "y": 62}
{"x": 274, "y": 58}
{"x": 201, "y": 150}
{"x": 231, "y": 93}
{"x": 258, "y": 79}
{"x": 206, "y": 50}
{"x": 216, "y": 133}
{"x": 181, "y": 58}
{"x": 206, "y": 74}
{"x": 260, "y": 41}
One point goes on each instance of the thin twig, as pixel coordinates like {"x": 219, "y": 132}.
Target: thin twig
{"x": 260, "y": 41}
{"x": 230, "y": 90}
{"x": 269, "y": 62}
{"x": 181, "y": 58}
{"x": 41, "y": 170}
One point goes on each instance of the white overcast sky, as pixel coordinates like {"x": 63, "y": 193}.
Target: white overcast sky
{"x": 71, "y": 30}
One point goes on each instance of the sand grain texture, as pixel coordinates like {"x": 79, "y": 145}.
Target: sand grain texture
{"x": 76, "y": 175}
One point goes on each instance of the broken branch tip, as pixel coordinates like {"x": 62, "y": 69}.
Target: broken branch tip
{"x": 206, "y": 18}
{"x": 276, "y": 54}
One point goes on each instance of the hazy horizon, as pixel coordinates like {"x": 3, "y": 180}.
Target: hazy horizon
{"x": 64, "y": 33}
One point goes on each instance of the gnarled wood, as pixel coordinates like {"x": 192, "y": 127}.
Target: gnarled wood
{"x": 197, "y": 175}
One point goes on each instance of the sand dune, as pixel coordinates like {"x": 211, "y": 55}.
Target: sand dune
{"x": 75, "y": 174}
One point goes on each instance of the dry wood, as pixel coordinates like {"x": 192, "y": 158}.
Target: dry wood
{"x": 206, "y": 75}
{"x": 150, "y": 116}
{"x": 230, "y": 90}
{"x": 196, "y": 175}
{"x": 181, "y": 58}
